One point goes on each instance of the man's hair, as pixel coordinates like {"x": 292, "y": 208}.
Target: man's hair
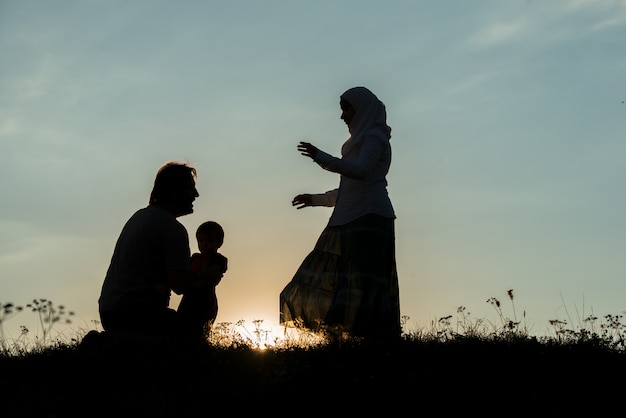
{"x": 169, "y": 179}
{"x": 211, "y": 227}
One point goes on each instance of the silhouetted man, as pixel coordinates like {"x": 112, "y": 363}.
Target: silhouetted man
{"x": 151, "y": 259}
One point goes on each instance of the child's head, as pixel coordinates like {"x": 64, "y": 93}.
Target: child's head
{"x": 210, "y": 237}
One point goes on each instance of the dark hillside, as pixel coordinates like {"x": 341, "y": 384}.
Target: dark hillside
{"x": 492, "y": 378}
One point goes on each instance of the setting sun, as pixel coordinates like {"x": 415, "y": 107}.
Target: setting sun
{"x": 261, "y": 334}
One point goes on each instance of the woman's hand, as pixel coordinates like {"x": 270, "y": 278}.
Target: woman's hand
{"x": 302, "y": 201}
{"x": 307, "y": 149}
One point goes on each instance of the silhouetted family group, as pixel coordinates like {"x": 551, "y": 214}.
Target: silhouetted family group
{"x": 347, "y": 285}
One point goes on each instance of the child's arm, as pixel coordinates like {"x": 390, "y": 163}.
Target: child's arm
{"x": 222, "y": 261}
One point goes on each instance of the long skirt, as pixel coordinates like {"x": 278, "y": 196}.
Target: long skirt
{"x": 348, "y": 282}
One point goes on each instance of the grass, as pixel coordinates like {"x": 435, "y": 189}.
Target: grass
{"x": 458, "y": 365}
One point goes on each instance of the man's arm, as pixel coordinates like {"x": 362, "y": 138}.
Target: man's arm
{"x": 182, "y": 281}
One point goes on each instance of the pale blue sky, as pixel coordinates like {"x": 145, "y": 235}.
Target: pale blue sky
{"x": 508, "y": 138}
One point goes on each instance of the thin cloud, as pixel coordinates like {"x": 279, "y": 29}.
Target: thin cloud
{"x": 610, "y": 23}
{"x": 581, "y": 4}
{"x": 549, "y": 23}
{"x": 616, "y": 10}
{"x": 496, "y": 34}
{"x": 9, "y": 125}
{"x": 31, "y": 87}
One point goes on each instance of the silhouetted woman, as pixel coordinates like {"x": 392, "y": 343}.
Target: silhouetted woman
{"x": 348, "y": 283}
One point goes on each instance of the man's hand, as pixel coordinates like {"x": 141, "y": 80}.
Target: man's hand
{"x": 212, "y": 275}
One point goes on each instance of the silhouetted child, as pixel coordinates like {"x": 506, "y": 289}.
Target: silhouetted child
{"x": 199, "y": 310}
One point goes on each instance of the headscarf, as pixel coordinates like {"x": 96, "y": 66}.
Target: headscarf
{"x": 369, "y": 113}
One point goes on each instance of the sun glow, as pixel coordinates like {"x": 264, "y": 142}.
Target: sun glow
{"x": 261, "y": 335}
